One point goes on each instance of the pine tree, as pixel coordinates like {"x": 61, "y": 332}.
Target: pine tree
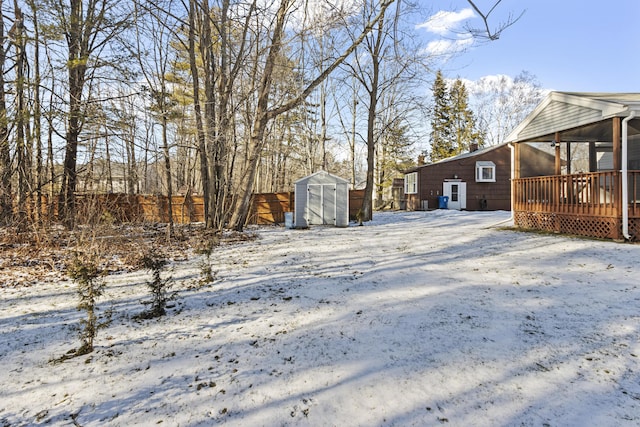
{"x": 463, "y": 124}
{"x": 453, "y": 125}
{"x": 84, "y": 270}
{"x": 441, "y": 146}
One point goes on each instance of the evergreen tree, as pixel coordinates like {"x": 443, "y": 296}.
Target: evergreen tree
{"x": 441, "y": 146}
{"x": 453, "y": 125}
{"x": 463, "y": 123}
{"x": 84, "y": 270}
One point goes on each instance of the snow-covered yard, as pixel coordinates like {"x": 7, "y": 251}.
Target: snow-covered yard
{"x": 417, "y": 318}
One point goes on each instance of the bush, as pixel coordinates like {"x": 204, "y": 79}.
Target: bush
{"x": 206, "y": 247}
{"x": 85, "y": 272}
{"x": 155, "y": 263}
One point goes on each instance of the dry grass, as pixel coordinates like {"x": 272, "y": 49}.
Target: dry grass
{"x": 28, "y": 258}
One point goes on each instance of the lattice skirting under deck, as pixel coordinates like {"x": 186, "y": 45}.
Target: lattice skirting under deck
{"x": 590, "y": 226}
{"x": 634, "y": 229}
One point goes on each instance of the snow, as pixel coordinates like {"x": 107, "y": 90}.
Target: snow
{"x": 414, "y": 319}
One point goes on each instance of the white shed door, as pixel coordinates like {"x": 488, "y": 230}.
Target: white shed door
{"x": 321, "y": 204}
{"x": 457, "y": 194}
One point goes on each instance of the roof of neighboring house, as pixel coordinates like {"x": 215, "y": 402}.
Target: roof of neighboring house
{"x": 579, "y": 116}
{"x": 465, "y": 155}
{"x": 101, "y": 167}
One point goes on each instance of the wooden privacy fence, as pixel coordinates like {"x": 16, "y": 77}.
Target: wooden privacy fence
{"x": 269, "y": 208}
{"x": 266, "y": 208}
{"x": 92, "y": 208}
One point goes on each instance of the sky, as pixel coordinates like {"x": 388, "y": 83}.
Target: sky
{"x": 566, "y": 44}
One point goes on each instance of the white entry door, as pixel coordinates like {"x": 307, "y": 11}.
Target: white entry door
{"x": 457, "y": 194}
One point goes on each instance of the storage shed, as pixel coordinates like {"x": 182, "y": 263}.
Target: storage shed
{"x": 321, "y": 199}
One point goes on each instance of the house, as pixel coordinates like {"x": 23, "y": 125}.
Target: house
{"x": 477, "y": 180}
{"x": 594, "y": 189}
{"x": 103, "y": 176}
{"x": 321, "y": 199}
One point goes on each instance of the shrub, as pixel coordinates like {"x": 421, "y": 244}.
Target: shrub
{"x": 159, "y": 288}
{"x": 85, "y": 272}
{"x": 206, "y": 246}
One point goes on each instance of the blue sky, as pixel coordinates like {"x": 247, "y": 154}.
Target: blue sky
{"x": 569, "y": 45}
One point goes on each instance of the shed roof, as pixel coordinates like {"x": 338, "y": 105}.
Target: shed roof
{"x": 322, "y": 174}
{"x": 579, "y": 116}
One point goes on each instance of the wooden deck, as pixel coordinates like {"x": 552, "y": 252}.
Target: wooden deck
{"x": 587, "y": 204}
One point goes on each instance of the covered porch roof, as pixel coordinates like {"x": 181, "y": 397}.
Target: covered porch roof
{"x": 577, "y": 117}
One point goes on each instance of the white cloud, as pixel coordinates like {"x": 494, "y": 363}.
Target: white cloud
{"x": 446, "y": 47}
{"x": 444, "y": 22}
{"x": 451, "y": 38}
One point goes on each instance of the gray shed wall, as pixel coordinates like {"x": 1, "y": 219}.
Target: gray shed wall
{"x": 321, "y": 199}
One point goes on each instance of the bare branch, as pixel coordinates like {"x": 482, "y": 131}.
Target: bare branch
{"x": 337, "y": 62}
{"x": 487, "y": 32}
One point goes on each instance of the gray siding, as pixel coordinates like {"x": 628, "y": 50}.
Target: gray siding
{"x": 560, "y": 116}
{"x": 321, "y": 199}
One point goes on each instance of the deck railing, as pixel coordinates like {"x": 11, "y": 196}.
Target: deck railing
{"x": 588, "y": 204}
{"x": 595, "y": 193}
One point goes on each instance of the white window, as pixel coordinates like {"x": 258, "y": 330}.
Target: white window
{"x": 411, "y": 183}
{"x": 485, "y": 172}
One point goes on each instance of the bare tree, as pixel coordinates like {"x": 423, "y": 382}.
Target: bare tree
{"x": 156, "y": 71}
{"x": 217, "y": 46}
{"x": 501, "y": 102}
{"x": 23, "y": 148}
{"x": 37, "y": 109}
{"x": 6, "y": 211}
{"x": 374, "y": 45}
{"x": 89, "y": 28}
{"x": 384, "y": 63}
{"x": 265, "y": 112}
{"x": 201, "y": 142}
{"x": 348, "y": 101}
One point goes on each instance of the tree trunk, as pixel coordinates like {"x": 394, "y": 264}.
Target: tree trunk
{"x": 107, "y": 155}
{"x": 375, "y": 51}
{"x": 247, "y": 181}
{"x": 204, "y": 167}
{"x": 262, "y": 117}
{"x": 23, "y": 157}
{"x": 77, "y": 68}
{"x": 37, "y": 113}
{"x": 167, "y": 169}
{"x": 6, "y": 211}
{"x": 50, "y": 161}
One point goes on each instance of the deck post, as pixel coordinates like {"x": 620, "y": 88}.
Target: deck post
{"x": 617, "y": 166}
{"x": 617, "y": 144}
{"x": 557, "y": 187}
{"x": 516, "y": 168}
{"x": 558, "y": 164}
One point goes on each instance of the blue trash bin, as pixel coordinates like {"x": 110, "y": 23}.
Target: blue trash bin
{"x": 442, "y": 202}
